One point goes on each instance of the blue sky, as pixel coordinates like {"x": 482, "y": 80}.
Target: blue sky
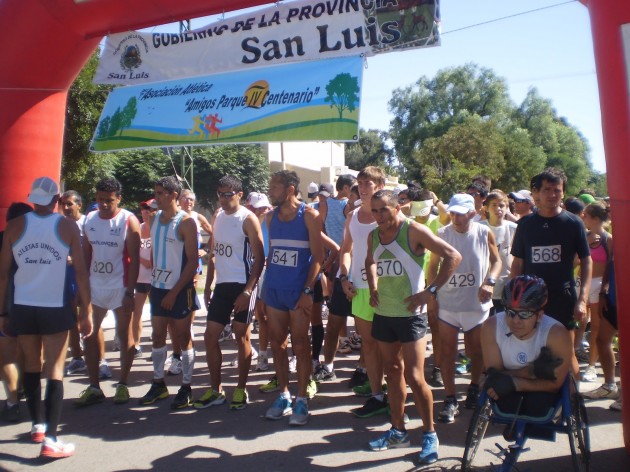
{"x": 550, "y": 49}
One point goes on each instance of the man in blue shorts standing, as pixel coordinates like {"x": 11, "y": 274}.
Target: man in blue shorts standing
{"x": 295, "y": 257}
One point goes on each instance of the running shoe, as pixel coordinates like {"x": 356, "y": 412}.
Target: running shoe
{"x": 122, "y": 394}
{"x": 344, "y": 346}
{"x": 11, "y": 414}
{"x": 616, "y": 405}
{"x": 137, "y": 352}
{"x": 449, "y": 411}
{"x": 463, "y": 368}
{"x": 582, "y": 356}
{"x": 359, "y": 377}
{"x": 38, "y": 433}
{"x": 355, "y": 342}
{"x": 158, "y": 391}
{"x": 239, "y": 399}
{"x": 226, "y": 333}
{"x": 56, "y": 449}
{"x": 262, "y": 364}
{"x": 372, "y": 407}
{"x": 391, "y": 439}
{"x": 281, "y": 407}
{"x": 104, "y": 372}
{"x": 300, "y": 414}
{"x": 311, "y": 389}
{"x": 436, "y": 378}
{"x": 429, "y": 452}
{"x": 603, "y": 391}
{"x": 293, "y": 365}
{"x": 75, "y": 366}
{"x": 210, "y": 398}
{"x": 89, "y": 396}
{"x": 183, "y": 399}
{"x": 322, "y": 374}
{"x": 589, "y": 374}
{"x": 176, "y": 366}
{"x": 363, "y": 390}
{"x": 471, "y": 397}
{"x": 271, "y": 386}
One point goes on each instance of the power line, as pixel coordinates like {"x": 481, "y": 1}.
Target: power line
{"x": 508, "y": 17}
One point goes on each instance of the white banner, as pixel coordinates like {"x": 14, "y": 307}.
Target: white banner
{"x": 294, "y": 31}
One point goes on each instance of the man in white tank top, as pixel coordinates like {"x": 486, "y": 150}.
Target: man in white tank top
{"x": 238, "y": 258}
{"x": 527, "y": 354}
{"x": 464, "y": 301}
{"x": 41, "y": 316}
{"x": 354, "y": 283}
{"x": 111, "y": 244}
{"x": 173, "y": 298}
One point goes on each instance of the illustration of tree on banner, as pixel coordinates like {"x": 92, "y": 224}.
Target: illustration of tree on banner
{"x": 343, "y": 93}
{"x": 120, "y": 120}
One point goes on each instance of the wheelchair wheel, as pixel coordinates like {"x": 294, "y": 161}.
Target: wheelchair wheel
{"x": 476, "y": 431}
{"x": 579, "y": 440}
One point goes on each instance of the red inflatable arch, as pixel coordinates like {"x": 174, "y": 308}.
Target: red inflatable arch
{"x": 46, "y": 42}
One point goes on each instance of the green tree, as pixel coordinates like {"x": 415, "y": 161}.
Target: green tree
{"x": 137, "y": 170}
{"x": 81, "y": 168}
{"x": 370, "y": 150}
{"x": 342, "y": 92}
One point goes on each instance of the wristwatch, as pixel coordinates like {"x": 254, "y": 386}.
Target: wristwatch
{"x": 432, "y": 289}
{"x": 307, "y": 291}
{"x": 490, "y": 281}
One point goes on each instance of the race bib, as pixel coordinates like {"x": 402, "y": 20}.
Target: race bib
{"x": 284, "y": 257}
{"x": 462, "y": 280}
{"x": 102, "y": 267}
{"x": 160, "y": 276}
{"x": 145, "y": 243}
{"x": 222, "y": 249}
{"x": 389, "y": 268}
{"x": 546, "y": 254}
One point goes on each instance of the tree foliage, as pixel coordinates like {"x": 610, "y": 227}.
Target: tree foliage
{"x": 370, "y": 150}
{"x": 462, "y": 122}
{"x": 342, "y": 93}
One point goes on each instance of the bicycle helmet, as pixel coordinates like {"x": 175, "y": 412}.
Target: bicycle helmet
{"x": 525, "y": 291}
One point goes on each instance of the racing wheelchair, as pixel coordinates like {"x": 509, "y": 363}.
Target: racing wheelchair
{"x": 567, "y": 416}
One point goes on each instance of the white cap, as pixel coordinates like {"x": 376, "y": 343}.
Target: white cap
{"x": 258, "y": 200}
{"x": 461, "y": 203}
{"x": 524, "y": 194}
{"x": 313, "y": 188}
{"x": 43, "y": 190}
{"x": 421, "y": 208}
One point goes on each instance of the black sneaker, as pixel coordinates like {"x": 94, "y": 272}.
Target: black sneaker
{"x": 158, "y": 391}
{"x": 183, "y": 399}
{"x": 449, "y": 411}
{"x": 322, "y": 375}
{"x": 436, "y": 378}
{"x": 471, "y": 398}
{"x": 358, "y": 378}
{"x": 11, "y": 414}
{"x": 372, "y": 407}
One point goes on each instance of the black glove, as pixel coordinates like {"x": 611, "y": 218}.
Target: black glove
{"x": 502, "y": 384}
{"x": 545, "y": 364}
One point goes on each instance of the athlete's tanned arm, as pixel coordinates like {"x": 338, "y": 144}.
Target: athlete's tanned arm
{"x": 187, "y": 232}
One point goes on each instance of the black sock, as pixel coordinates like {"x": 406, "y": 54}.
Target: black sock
{"x": 33, "y": 392}
{"x": 318, "y": 340}
{"x": 54, "y": 404}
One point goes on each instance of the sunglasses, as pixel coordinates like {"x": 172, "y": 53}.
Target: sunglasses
{"x": 226, "y": 194}
{"x": 524, "y": 315}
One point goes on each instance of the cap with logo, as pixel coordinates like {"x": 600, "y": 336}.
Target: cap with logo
{"x": 522, "y": 196}
{"x": 461, "y": 203}
{"x": 42, "y": 191}
{"x": 151, "y": 204}
{"x": 421, "y": 208}
{"x": 258, "y": 200}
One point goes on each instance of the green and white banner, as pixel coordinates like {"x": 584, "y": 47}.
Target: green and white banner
{"x": 288, "y": 31}
{"x": 307, "y": 101}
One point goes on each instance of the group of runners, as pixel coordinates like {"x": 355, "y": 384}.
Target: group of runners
{"x": 400, "y": 262}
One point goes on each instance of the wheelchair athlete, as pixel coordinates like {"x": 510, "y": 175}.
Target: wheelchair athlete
{"x": 527, "y": 354}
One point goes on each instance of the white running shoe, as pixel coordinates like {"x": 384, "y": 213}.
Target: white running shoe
{"x": 176, "y": 366}
{"x": 590, "y": 374}
{"x": 104, "y": 372}
{"x": 602, "y": 392}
